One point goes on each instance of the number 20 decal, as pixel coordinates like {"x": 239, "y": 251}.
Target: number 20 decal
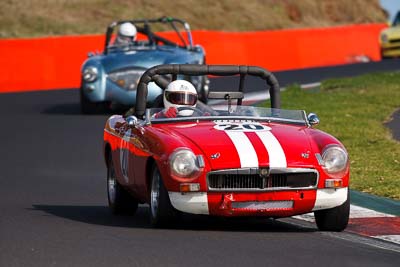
{"x": 241, "y": 127}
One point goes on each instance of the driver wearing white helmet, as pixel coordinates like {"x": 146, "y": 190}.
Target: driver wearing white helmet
{"x": 180, "y": 98}
{"x": 126, "y": 34}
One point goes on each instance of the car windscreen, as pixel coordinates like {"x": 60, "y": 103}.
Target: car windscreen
{"x": 220, "y": 112}
{"x": 396, "y": 21}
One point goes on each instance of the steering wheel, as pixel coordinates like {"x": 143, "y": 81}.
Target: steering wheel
{"x": 195, "y": 110}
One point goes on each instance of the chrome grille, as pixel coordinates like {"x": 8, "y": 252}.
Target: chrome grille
{"x": 394, "y": 41}
{"x": 235, "y": 181}
{"x": 238, "y": 179}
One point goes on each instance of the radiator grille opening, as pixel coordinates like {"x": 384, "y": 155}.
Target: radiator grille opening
{"x": 394, "y": 41}
{"x": 226, "y": 181}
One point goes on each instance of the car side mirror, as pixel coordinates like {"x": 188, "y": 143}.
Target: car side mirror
{"x": 132, "y": 121}
{"x": 313, "y": 119}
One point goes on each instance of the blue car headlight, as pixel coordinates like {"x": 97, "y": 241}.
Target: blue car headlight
{"x": 127, "y": 79}
{"x": 90, "y": 74}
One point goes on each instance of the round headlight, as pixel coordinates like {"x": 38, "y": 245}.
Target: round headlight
{"x": 335, "y": 159}
{"x": 90, "y": 74}
{"x": 384, "y": 38}
{"x": 183, "y": 163}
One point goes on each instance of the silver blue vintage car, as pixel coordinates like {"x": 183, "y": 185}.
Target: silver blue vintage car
{"x": 109, "y": 79}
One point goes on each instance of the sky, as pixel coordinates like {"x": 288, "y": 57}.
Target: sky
{"x": 392, "y": 6}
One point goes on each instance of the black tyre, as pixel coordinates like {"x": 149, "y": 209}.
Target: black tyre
{"x": 119, "y": 200}
{"x": 204, "y": 88}
{"x": 335, "y": 219}
{"x": 161, "y": 211}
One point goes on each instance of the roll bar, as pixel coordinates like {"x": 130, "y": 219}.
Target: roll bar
{"x": 155, "y": 73}
{"x": 145, "y": 29}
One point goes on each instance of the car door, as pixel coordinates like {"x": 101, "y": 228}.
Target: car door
{"x": 133, "y": 156}
{"x": 123, "y": 154}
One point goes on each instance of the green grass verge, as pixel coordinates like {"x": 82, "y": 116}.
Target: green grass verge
{"x": 354, "y": 110}
{"x": 30, "y": 18}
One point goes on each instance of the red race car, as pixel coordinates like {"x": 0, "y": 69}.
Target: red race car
{"x": 225, "y": 159}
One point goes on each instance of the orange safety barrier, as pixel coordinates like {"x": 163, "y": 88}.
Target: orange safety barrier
{"x": 54, "y": 62}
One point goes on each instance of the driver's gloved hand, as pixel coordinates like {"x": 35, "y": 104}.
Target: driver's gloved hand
{"x": 169, "y": 113}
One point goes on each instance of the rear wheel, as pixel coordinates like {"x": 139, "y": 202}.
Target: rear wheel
{"x": 161, "y": 211}
{"x": 119, "y": 200}
{"x": 335, "y": 219}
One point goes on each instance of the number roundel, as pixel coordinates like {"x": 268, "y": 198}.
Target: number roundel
{"x": 241, "y": 126}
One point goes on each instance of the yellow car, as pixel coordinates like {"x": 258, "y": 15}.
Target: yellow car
{"x": 390, "y": 39}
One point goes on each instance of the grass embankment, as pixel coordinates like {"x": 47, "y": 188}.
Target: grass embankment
{"x": 354, "y": 111}
{"x": 27, "y": 18}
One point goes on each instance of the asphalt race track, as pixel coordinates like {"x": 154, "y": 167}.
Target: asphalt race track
{"x": 53, "y": 204}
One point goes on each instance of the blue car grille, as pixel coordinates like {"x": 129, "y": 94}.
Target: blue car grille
{"x": 126, "y": 79}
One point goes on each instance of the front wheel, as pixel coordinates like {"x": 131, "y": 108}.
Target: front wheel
{"x": 204, "y": 89}
{"x": 161, "y": 211}
{"x": 335, "y": 219}
{"x": 120, "y": 201}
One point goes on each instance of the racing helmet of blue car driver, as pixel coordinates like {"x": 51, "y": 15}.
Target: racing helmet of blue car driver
{"x": 180, "y": 93}
{"x": 126, "y": 34}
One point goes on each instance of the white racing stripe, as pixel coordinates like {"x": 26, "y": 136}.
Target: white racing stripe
{"x": 247, "y": 154}
{"x": 277, "y": 158}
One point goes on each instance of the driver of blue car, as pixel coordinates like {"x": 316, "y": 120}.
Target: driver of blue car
{"x": 126, "y": 34}
{"x": 180, "y": 99}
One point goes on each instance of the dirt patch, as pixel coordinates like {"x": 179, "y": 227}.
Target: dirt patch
{"x": 394, "y": 124}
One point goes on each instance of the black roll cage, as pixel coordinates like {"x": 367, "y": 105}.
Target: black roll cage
{"x": 157, "y": 74}
{"x": 143, "y": 26}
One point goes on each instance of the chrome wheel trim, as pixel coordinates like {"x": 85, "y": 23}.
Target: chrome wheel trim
{"x": 155, "y": 193}
{"x": 111, "y": 186}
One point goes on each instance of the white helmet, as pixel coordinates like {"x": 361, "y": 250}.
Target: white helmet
{"x": 180, "y": 93}
{"x": 126, "y": 33}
